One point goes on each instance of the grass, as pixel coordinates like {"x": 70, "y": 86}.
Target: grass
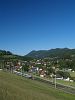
{"x": 68, "y": 83}
{"x": 72, "y": 74}
{"x": 13, "y": 87}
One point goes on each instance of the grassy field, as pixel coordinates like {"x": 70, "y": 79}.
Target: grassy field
{"x": 68, "y": 83}
{"x": 72, "y": 74}
{"x": 13, "y": 87}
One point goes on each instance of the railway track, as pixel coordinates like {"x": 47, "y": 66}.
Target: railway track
{"x": 65, "y": 88}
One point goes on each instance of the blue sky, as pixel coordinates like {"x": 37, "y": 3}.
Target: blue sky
{"x": 27, "y": 25}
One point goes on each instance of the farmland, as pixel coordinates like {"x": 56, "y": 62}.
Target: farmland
{"x": 13, "y": 87}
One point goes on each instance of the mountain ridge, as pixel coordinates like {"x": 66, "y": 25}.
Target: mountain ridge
{"x": 51, "y": 53}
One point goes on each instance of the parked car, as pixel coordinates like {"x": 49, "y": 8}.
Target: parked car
{"x": 28, "y": 76}
{"x": 0, "y": 69}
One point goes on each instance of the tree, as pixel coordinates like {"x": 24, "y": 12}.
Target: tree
{"x": 64, "y": 74}
{"x": 25, "y": 68}
{"x": 50, "y": 70}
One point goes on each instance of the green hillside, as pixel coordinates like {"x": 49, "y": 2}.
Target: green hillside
{"x": 9, "y": 56}
{"x": 58, "y": 52}
{"x": 13, "y": 87}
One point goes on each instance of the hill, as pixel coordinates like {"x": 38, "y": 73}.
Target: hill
{"x": 58, "y": 52}
{"x": 13, "y": 87}
{"x": 7, "y": 55}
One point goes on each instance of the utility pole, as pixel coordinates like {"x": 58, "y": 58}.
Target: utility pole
{"x": 55, "y": 81}
{"x": 55, "y": 73}
{"x": 54, "y": 77}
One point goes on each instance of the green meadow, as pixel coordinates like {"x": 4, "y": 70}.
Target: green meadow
{"x": 13, "y": 87}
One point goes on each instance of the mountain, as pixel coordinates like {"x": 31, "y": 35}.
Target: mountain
{"x": 7, "y": 55}
{"x": 3, "y": 52}
{"x": 58, "y": 52}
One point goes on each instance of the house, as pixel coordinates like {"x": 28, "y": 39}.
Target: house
{"x": 42, "y": 73}
{"x": 59, "y": 77}
{"x": 71, "y": 80}
{"x": 67, "y": 79}
{"x": 34, "y": 69}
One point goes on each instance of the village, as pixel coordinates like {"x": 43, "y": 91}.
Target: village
{"x": 40, "y": 67}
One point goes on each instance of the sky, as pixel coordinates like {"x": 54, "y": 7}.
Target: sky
{"x": 27, "y": 25}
